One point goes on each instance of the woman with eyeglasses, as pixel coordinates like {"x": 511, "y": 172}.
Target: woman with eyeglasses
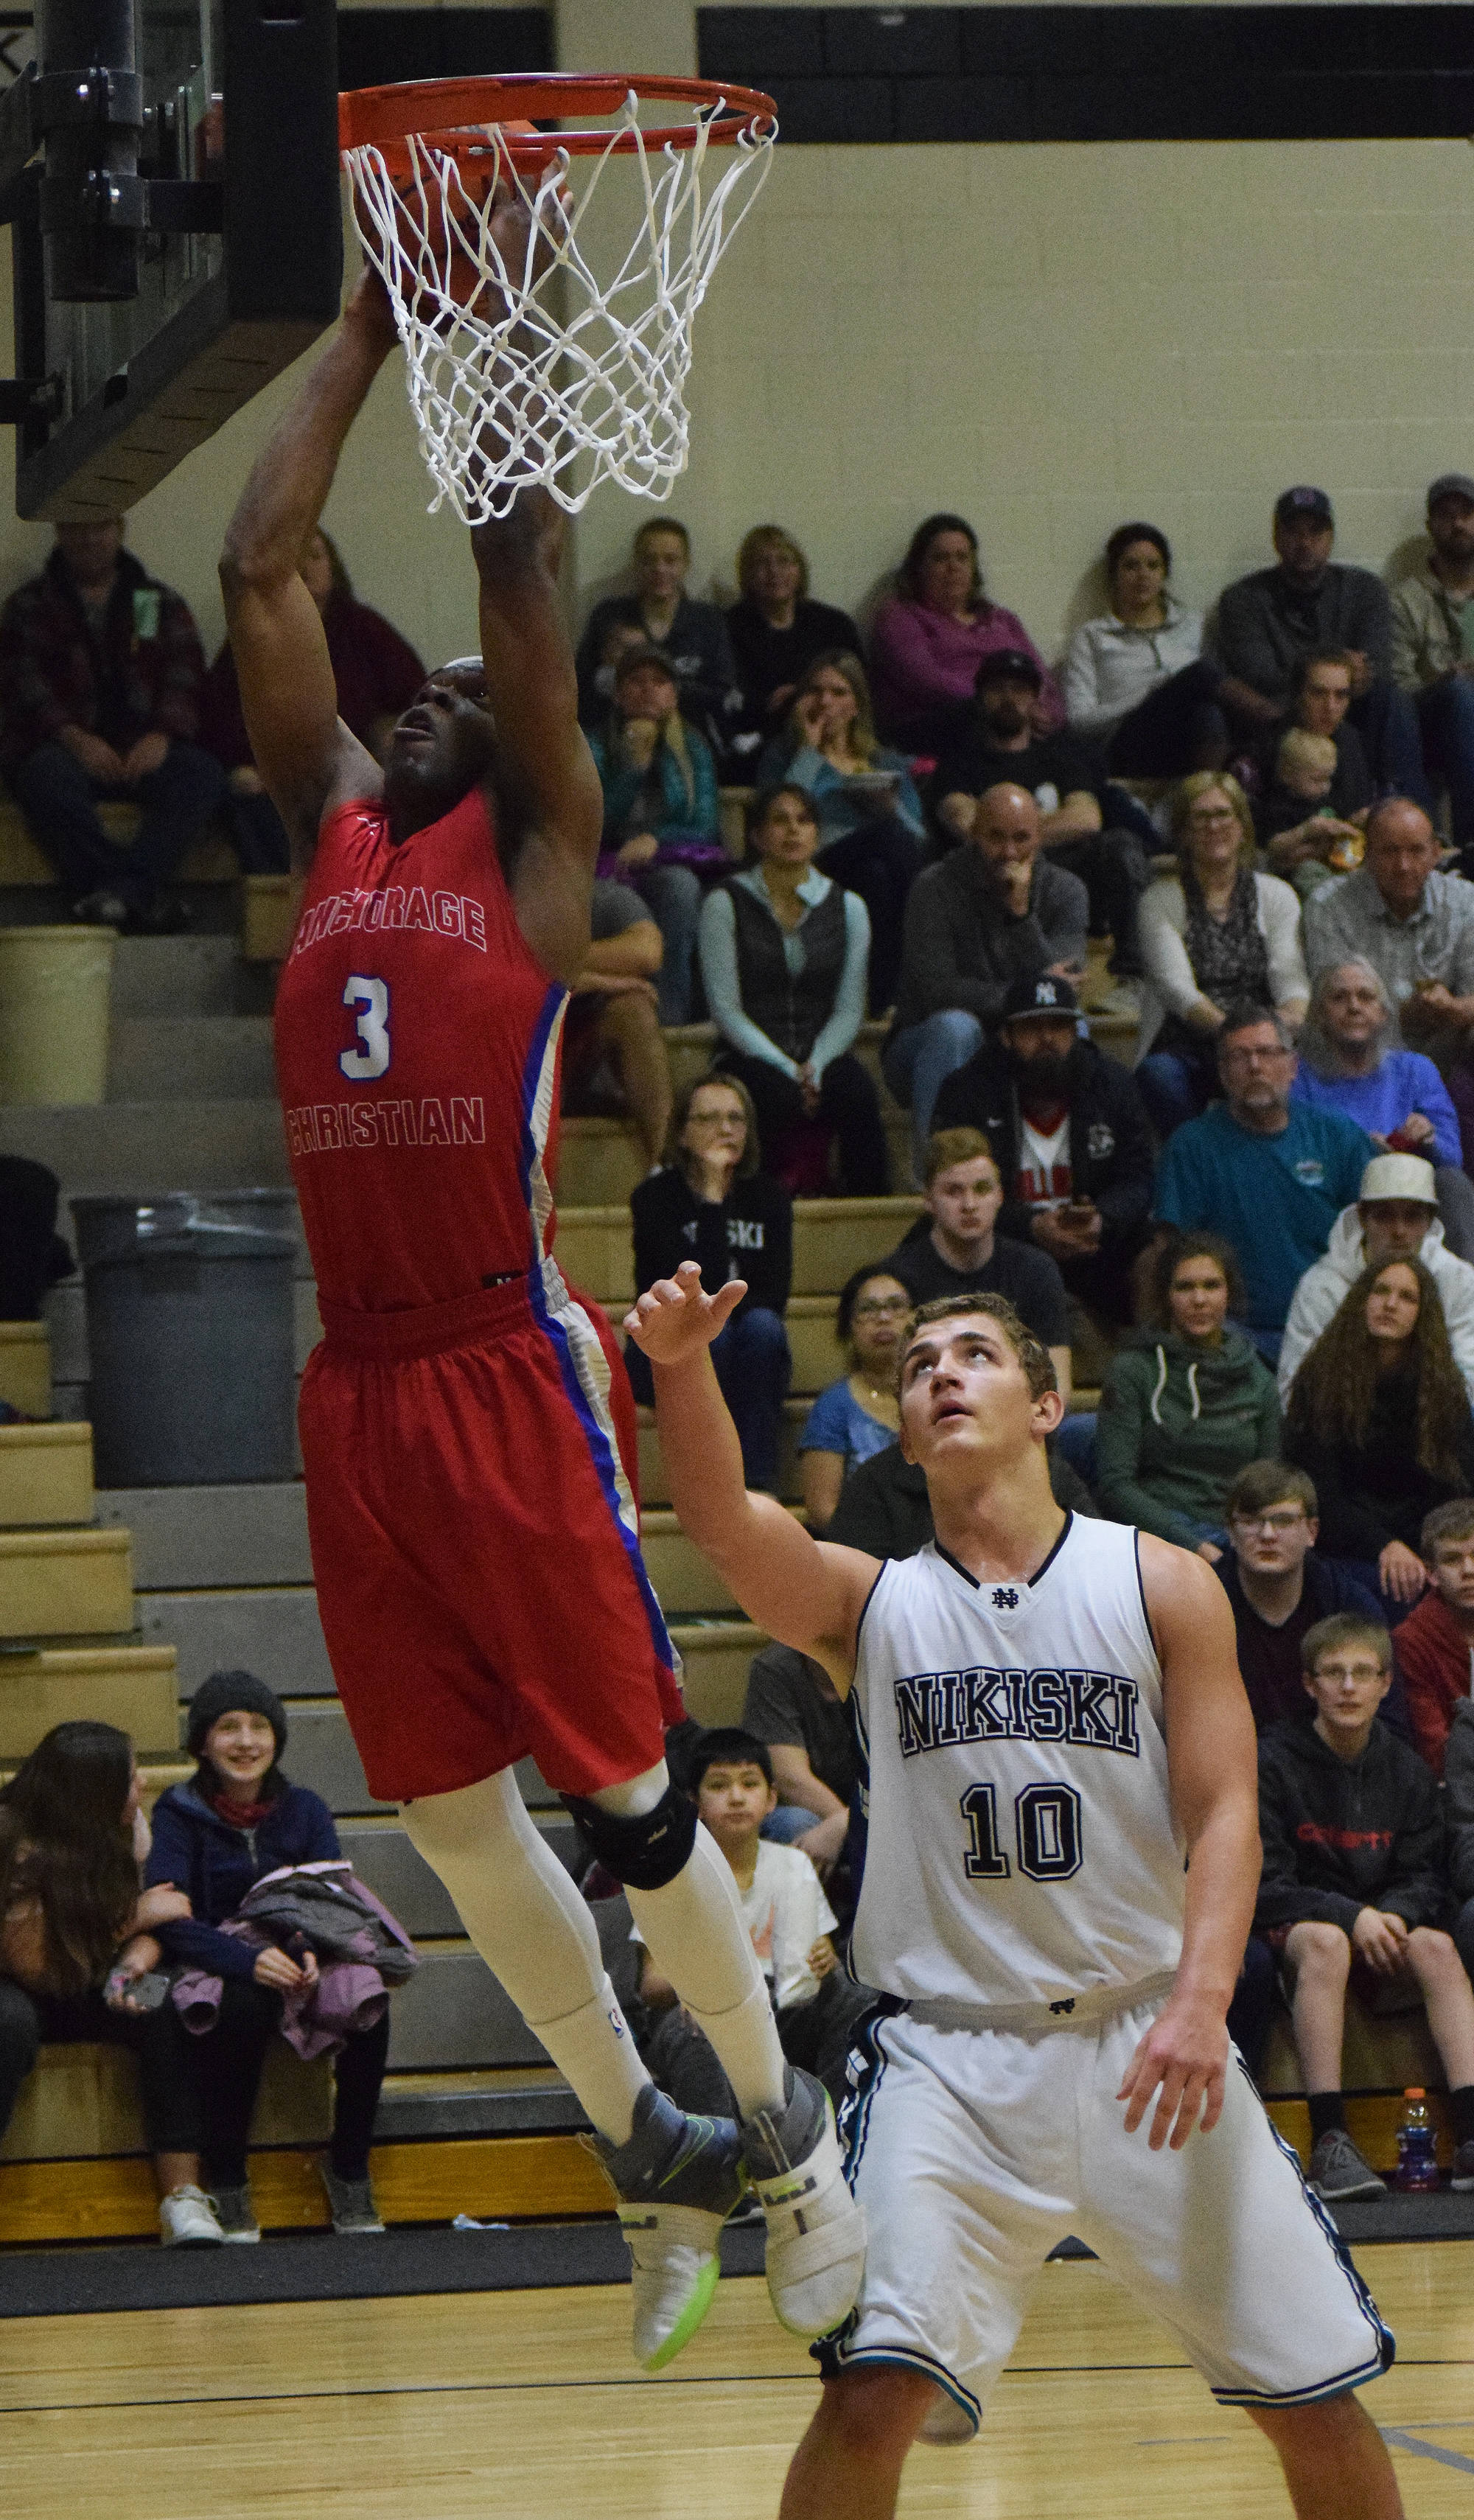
{"x": 1215, "y": 934}
{"x": 858, "y": 1415}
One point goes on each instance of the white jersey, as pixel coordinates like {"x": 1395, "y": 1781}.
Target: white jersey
{"x": 1021, "y": 1842}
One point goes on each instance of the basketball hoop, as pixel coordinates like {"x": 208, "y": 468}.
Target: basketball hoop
{"x": 530, "y": 367}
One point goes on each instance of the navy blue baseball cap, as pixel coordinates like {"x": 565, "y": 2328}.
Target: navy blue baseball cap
{"x": 1045, "y": 996}
{"x": 1304, "y": 501}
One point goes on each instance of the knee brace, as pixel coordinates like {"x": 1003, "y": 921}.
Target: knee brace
{"x": 643, "y": 1854}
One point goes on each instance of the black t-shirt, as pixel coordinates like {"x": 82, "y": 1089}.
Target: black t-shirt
{"x": 1028, "y": 1278}
{"x": 769, "y": 660}
{"x": 749, "y": 1234}
{"x": 785, "y": 1704}
{"x": 1062, "y": 762}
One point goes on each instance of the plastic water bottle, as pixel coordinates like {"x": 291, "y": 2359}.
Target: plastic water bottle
{"x": 1417, "y": 2158}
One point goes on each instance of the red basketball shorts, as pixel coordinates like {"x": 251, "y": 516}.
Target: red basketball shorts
{"x": 470, "y": 1503}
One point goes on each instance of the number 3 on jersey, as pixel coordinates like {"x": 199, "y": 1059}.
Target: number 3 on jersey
{"x": 372, "y": 998}
{"x": 1045, "y": 1825}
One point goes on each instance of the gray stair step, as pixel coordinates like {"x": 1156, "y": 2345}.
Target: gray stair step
{"x": 321, "y": 1753}
{"x": 189, "y": 1539}
{"x": 412, "y": 2108}
{"x": 139, "y": 1149}
{"x": 178, "y": 975}
{"x": 272, "y": 1630}
{"x": 382, "y": 1855}
{"x": 453, "y": 2012}
{"x": 191, "y": 1058}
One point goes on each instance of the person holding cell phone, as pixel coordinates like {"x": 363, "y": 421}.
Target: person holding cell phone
{"x": 870, "y": 825}
{"x": 79, "y": 1954}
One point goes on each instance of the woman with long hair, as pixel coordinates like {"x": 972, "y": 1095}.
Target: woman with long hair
{"x": 858, "y": 1415}
{"x": 79, "y": 1952}
{"x": 1379, "y": 1417}
{"x": 870, "y": 824}
{"x": 929, "y": 639}
{"x": 777, "y": 629}
{"x": 783, "y": 959}
{"x": 661, "y": 817}
{"x": 1136, "y": 679}
{"x": 711, "y": 1204}
{"x": 1215, "y": 934}
{"x": 1187, "y": 1404}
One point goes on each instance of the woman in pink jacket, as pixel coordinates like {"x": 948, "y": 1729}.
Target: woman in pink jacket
{"x": 929, "y": 639}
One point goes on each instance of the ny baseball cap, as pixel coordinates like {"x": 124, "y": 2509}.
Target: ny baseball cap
{"x": 1304, "y": 501}
{"x": 1045, "y": 996}
{"x": 1009, "y": 665}
{"x": 1450, "y": 485}
{"x": 1399, "y": 1177}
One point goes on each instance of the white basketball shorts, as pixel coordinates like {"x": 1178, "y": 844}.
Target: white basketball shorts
{"x": 974, "y": 2151}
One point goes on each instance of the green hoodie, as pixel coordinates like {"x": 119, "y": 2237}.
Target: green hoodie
{"x": 1177, "y": 1424}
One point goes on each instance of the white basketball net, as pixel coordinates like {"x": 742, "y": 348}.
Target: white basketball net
{"x": 539, "y": 367}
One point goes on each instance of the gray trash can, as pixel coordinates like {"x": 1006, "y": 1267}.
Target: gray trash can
{"x": 190, "y": 1329}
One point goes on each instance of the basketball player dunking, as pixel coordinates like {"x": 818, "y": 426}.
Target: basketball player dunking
{"x": 467, "y": 1432}
{"x": 1051, "y": 1719}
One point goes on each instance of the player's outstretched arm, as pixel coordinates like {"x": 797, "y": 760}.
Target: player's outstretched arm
{"x": 306, "y": 756}
{"x": 1214, "y": 1773}
{"x": 804, "y": 1591}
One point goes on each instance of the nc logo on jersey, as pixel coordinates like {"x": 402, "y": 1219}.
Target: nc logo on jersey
{"x": 1004, "y": 1598}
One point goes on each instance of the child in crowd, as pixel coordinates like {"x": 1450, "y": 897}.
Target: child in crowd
{"x": 789, "y": 1920}
{"x": 1436, "y": 1642}
{"x": 1298, "y": 828}
{"x": 1353, "y": 1888}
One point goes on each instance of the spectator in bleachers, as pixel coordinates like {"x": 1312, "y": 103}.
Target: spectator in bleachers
{"x": 78, "y": 1947}
{"x": 32, "y": 1254}
{"x": 870, "y": 816}
{"x": 1279, "y": 1585}
{"x": 1187, "y": 1404}
{"x": 992, "y": 914}
{"x": 710, "y": 1203}
{"x": 614, "y": 1016}
{"x": 957, "y": 1250}
{"x": 858, "y": 1415}
{"x": 1320, "y": 696}
{"x": 1266, "y": 623}
{"x": 783, "y": 953}
{"x": 1395, "y": 1218}
{"x": 376, "y": 674}
{"x": 692, "y": 634}
{"x": 1435, "y": 1642}
{"x": 236, "y": 1820}
{"x": 1353, "y": 1880}
{"x": 818, "y": 2004}
{"x": 1458, "y": 1789}
{"x": 930, "y": 637}
{"x": 1379, "y": 1417}
{"x": 777, "y": 630}
{"x": 100, "y": 680}
{"x": 1270, "y": 1175}
{"x": 1067, "y": 777}
{"x": 1413, "y": 926}
{"x": 1433, "y": 646}
{"x": 661, "y": 822}
{"x": 1135, "y": 678}
{"x": 1350, "y": 1061}
{"x": 1070, "y": 1139}
{"x": 1215, "y": 934}
{"x": 1299, "y": 833}
{"x": 793, "y": 1708}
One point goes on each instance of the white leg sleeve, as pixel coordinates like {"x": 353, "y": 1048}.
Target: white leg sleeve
{"x": 535, "y": 1933}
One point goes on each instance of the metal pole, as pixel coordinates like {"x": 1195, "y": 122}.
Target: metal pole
{"x": 89, "y": 107}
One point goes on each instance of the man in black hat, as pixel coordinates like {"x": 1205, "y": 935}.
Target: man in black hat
{"x": 1433, "y": 648}
{"x": 1066, "y": 778}
{"x": 1266, "y": 623}
{"x": 1071, "y": 1140}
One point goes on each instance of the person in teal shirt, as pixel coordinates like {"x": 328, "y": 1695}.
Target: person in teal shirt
{"x": 1270, "y": 1175}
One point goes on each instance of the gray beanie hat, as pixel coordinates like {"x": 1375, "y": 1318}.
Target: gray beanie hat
{"x": 232, "y": 1692}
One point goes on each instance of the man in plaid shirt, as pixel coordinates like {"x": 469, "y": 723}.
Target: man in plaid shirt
{"x": 100, "y": 675}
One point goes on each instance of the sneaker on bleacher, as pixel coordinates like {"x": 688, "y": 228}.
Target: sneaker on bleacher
{"x": 236, "y": 2214}
{"x": 187, "y": 2219}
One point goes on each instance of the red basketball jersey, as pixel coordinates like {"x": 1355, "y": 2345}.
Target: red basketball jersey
{"x": 417, "y": 1044}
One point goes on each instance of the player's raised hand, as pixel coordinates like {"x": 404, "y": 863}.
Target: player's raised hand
{"x": 1182, "y": 2059}
{"x": 677, "y": 1318}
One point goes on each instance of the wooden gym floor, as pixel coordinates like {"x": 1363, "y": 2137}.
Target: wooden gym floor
{"x": 525, "y": 2406}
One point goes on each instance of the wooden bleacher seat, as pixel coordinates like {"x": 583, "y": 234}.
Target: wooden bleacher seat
{"x": 45, "y": 1476}
{"x": 211, "y": 860}
{"x": 25, "y": 1366}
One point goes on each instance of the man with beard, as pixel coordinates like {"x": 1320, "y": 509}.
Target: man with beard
{"x": 1070, "y": 1137}
{"x": 1066, "y": 779}
{"x": 1433, "y": 648}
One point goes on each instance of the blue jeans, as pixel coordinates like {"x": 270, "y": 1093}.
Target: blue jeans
{"x": 1075, "y": 1442}
{"x": 1387, "y": 723}
{"x": 1446, "y": 716}
{"x": 1174, "y": 1089}
{"x": 60, "y": 802}
{"x": 674, "y": 895}
{"x": 916, "y": 1061}
{"x": 752, "y": 1368}
{"x": 785, "y": 1826}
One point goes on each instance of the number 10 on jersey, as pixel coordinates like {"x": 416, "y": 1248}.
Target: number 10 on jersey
{"x": 1046, "y": 1828}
